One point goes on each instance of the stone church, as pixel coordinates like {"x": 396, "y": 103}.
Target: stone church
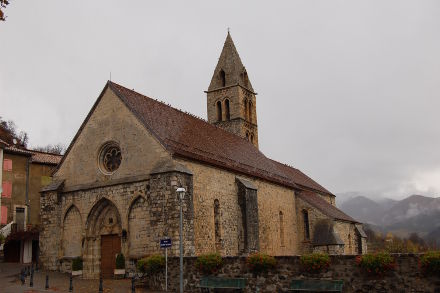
{"x": 115, "y": 188}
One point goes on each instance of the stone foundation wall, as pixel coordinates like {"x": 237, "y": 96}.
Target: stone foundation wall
{"x": 405, "y": 278}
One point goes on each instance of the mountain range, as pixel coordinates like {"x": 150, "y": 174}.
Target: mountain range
{"x": 415, "y": 213}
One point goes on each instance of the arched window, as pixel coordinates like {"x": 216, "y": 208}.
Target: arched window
{"x": 245, "y": 79}
{"x": 223, "y": 78}
{"x": 252, "y": 138}
{"x": 281, "y": 228}
{"x": 219, "y": 111}
{"x": 349, "y": 243}
{"x": 218, "y": 241}
{"x": 227, "y": 113}
{"x": 246, "y": 111}
{"x": 306, "y": 225}
{"x": 247, "y": 135}
{"x": 250, "y": 108}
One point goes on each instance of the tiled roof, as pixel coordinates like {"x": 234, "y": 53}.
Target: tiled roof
{"x": 300, "y": 178}
{"x": 194, "y": 138}
{"x": 36, "y": 156}
{"x": 19, "y": 151}
{"x": 322, "y": 205}
{"x": 45, "y": 158}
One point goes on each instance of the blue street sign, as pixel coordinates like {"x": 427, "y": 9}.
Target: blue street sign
{"x": 165, "y": 243}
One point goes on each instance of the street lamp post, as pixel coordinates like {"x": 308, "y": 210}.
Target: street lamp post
{"x": 181, "y": 194}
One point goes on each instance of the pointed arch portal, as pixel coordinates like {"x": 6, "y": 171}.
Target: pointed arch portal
{"x": 103, "y": 239}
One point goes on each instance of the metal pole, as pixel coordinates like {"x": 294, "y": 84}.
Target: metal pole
{"x": 181, "y": 246}
{"x": 70, "y": 284}
{"x": 166, "y": 269}
{"x": 100, "y": 284}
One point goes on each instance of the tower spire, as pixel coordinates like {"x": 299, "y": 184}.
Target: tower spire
{"x": 231, "y": 98}
{"x": 230, "y": 64}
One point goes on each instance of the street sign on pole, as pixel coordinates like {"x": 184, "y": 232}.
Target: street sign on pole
{"x": 165, "y": 243}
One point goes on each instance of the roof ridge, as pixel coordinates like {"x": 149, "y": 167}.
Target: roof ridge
{"x": 182, "y": 112}
{"x": 42, "y": 152}
{"x": 163, "y": 102}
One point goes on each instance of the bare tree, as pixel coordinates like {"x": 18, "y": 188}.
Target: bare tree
{"x": 58, "y": 148}
{"x": 3, "y": 4}
{"x": 22, "y": 138}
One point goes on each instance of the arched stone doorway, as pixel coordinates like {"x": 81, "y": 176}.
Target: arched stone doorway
{"x": 103, "y": 239}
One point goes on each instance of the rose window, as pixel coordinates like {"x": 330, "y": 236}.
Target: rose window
{"x": 110, "y": 158}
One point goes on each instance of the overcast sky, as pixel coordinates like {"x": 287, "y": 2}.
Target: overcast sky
{"x": 348, "y": 91}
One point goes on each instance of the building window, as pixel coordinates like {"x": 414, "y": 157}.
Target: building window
{"x": 250, "y": 111}
{"x": 349, "y": 243}
{"x": 252, "y": 138}
{"x": 4, "y": 215}
{"x": 6, "y": 189}
{"x": 227, "y": 113}
{"x": 247, "y": 136}
{"x": 281, "y": 228}
{"x": 246, "y": 112}
{"x": 7, "y": 165}
{"x": 219, "y": 111}
{"x": 217, "y": 219}
{"x": 245, "y": 79}
{"x": 306, "y": 225}
{"x": 20, "y": 218}
{"x": 223, "y": 78}
{"x": 110, "y": 157}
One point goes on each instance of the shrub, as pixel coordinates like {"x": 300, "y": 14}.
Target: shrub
{"x": 315, "y": 262}
{"x": 77, "y": 264}
{"x": 152, "y": 264}
{"x": 120, "y": 261}
{"x": 260, "y": 262}
{"x": 209, "y": 263}
{"x": 430, "y": 262}
{"x": 376, "y": 264}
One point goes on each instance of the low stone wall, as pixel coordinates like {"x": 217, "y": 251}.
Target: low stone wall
{"x": 405, "y": 278}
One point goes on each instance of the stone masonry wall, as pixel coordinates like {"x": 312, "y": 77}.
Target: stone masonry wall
{"x": 344, "y": 229}
{"x": 211, "y": 183}
{"x": 406, "y": 277}
{"x": 50, "y": 233}
{"x": 110, "y": 121}
{"x": 154, "y": 199}
{"x": 239, "y": 123}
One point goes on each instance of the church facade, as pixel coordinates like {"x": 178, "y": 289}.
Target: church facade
{"x": 115, "y": 188}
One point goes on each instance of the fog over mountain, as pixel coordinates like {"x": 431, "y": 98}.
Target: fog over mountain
{"x": 415, "y": 213}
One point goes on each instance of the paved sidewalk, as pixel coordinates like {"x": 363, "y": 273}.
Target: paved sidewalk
{"x": 58, "y": 282}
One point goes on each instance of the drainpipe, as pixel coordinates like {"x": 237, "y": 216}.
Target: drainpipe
{"x": 27, "y": 194}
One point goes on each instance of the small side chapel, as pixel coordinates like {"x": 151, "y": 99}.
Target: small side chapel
{"x": 115, "y": 188}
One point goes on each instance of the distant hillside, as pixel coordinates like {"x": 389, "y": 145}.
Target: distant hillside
{"x": 415, "y": 213}
{"x": 434, "y": 237}
{"x": 363, "y": 209}
{"x": 411, "y": 207}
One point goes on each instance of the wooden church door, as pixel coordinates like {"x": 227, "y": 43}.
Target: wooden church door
{"x": 110, "y": 247}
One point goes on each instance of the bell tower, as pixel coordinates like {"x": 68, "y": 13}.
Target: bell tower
{"x": 231, "y": 99}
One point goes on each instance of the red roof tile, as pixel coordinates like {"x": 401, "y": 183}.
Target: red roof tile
{"x": 36, "y": 156}
{"x": 19, "y": 151}
{"x": 326, "y": 208}
{"x": 45, "y": 158}
{"x": 194, "y": 138}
